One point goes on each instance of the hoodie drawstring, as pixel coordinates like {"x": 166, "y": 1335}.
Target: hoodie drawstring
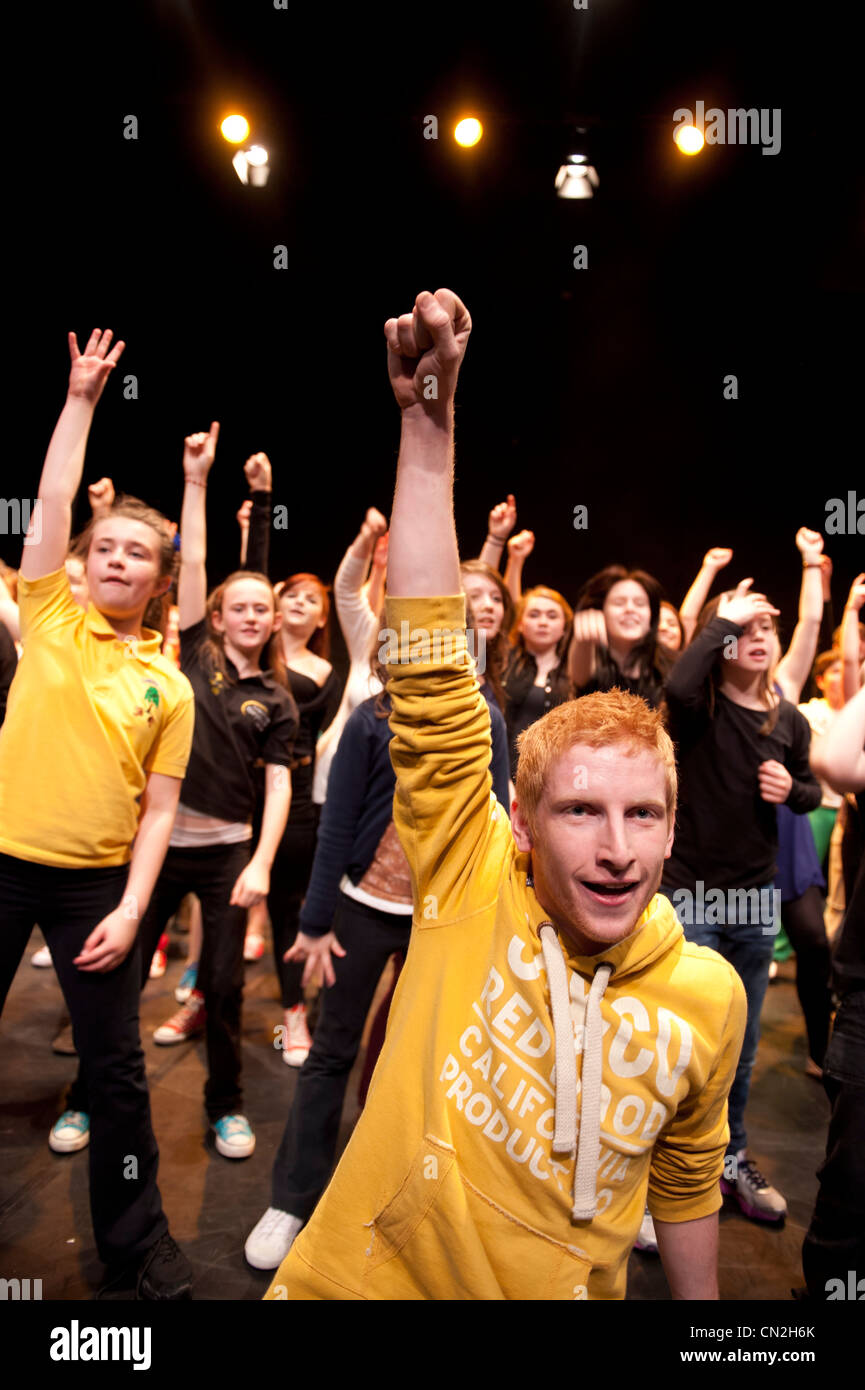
{"x": 565, "y": 1137}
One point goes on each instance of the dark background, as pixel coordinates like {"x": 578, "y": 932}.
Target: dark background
{"x": 601, "y": 386}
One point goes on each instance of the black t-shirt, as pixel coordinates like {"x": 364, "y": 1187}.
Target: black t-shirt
{"x": 726, "y": 834}
{"x": 526, "y": 702}
{"x": 237, "y": 721}
{"x": 316, "y": 706}
{"x": 849, "y": 958}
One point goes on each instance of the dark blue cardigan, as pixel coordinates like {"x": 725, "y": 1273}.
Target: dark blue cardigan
{"x": 359, "y": 805}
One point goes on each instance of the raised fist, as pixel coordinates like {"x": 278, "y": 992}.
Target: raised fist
{"x": 810, "y": 543}
{"x": 717, "y": 557}
{"x": 856, "y": 597}
{"x": 503, "y": 519}
{"x": 259, "y": 474}
{"x": 425, "y": 349}
{"x": 101, "y": 496}
{"x": 590, "y": 626}
{"x": 373, "y": 525}
{"x": 521, "y": 545}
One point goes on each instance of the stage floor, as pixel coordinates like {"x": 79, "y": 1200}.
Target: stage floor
{"x": 212, "y": 1203}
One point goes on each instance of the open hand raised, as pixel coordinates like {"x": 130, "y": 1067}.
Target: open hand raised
{"x": 91, "y": 369}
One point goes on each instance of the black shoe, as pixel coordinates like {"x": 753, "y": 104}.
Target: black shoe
{"x": 164, "y": 1273}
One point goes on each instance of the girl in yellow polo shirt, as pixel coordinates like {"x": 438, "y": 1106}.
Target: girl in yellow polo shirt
{"x": 92, "y": 754}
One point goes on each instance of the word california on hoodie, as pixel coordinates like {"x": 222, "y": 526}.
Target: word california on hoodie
{"x": 526, "y": 1099}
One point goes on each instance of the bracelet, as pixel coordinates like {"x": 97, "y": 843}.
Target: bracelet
{"x": 193, "y": 481}
{"x": 493, "y": 540}
{"x": 814, "y": 565}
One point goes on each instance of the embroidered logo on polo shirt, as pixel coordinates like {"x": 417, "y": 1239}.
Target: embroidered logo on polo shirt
{"x": 149, "y": 704}
{"x": 257, "y": 712}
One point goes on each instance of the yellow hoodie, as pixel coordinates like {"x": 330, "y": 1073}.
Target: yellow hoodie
{"x": 465, "y": 1170}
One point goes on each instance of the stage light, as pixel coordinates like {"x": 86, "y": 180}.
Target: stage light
{"x": 577, "y": 178}
{"x": 689, "y": 139}
{"x": 468, "y": 131}
{"x": 235, "y": 129}
{"x": 251, "y": 166}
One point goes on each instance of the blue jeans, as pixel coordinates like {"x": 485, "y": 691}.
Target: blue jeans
{"x": 747, "y": 942}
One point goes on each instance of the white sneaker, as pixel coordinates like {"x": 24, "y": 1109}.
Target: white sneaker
{"x": 647, "y": 1239}
{"x": 755, "y": 1195}
{"x": 269, "y": 1242}
{"x": 297, "y": 1039}
{"x": 41, "y": 958}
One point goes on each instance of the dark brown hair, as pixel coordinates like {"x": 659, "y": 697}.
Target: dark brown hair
{"x": 765, "y": 691}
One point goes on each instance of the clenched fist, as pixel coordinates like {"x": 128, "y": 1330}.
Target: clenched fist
{"x": 425, "y": 349}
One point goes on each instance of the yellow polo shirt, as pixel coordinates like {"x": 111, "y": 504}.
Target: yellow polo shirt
{"x": 90, "y": 716}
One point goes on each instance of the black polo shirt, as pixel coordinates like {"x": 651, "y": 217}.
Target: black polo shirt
{"x": 238, "y": 720}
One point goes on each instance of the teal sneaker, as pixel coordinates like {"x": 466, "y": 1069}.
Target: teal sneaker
{"x": 234, "y": 1137}
{"x": 70, "y": 1133}
{"x": 187, "y": 983}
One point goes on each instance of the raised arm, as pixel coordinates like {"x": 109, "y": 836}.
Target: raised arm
{"x": 374, "y": 586}
{"x": 838, "y": 757}
{"x": 9, "y": 611}
{"x": 792, "y": 670}
{"x": 851, "y": 666}
{"x": 425, "y": 349}
{"x": 502, "y": 520}
{"x": 198, "y": 454}
{"x": 357, "y": 616}
{"x": 713, "y": 561}
{"x": 244, "y": 512}
{"x": 259, "y": 476}
{"x": 520, "y": 548}
{"x": 47, "y": 540}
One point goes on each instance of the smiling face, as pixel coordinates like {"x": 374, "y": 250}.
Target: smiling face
{"x": 487, "y": 603}
{"x": 627, "y": 612}
{"x": 123, "y": 567}
{"x": 542, "y": 625}
{"x": 302, "y": 608}
{"x": 669, "y": 631}
{"x": 600, "y": 836}
{"x": 246, "y": 619}
{"x": 830, "y": 685}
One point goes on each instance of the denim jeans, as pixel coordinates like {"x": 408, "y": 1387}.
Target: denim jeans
{"x": 305, "y": 1158}
{"x": 125, "y": 1205}
{"x": 747, "y": 943}
{"x": 835, "y": 1244}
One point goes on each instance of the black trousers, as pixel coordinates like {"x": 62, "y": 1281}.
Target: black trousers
{"x": 835, "y": 1244}
{"x": 125, "y": 1205}
{"x": 803, "y": 923}
{"x": 289, "y": 879}
{"x": 210, "y": 873}
{"x": 305, "y": 1158}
